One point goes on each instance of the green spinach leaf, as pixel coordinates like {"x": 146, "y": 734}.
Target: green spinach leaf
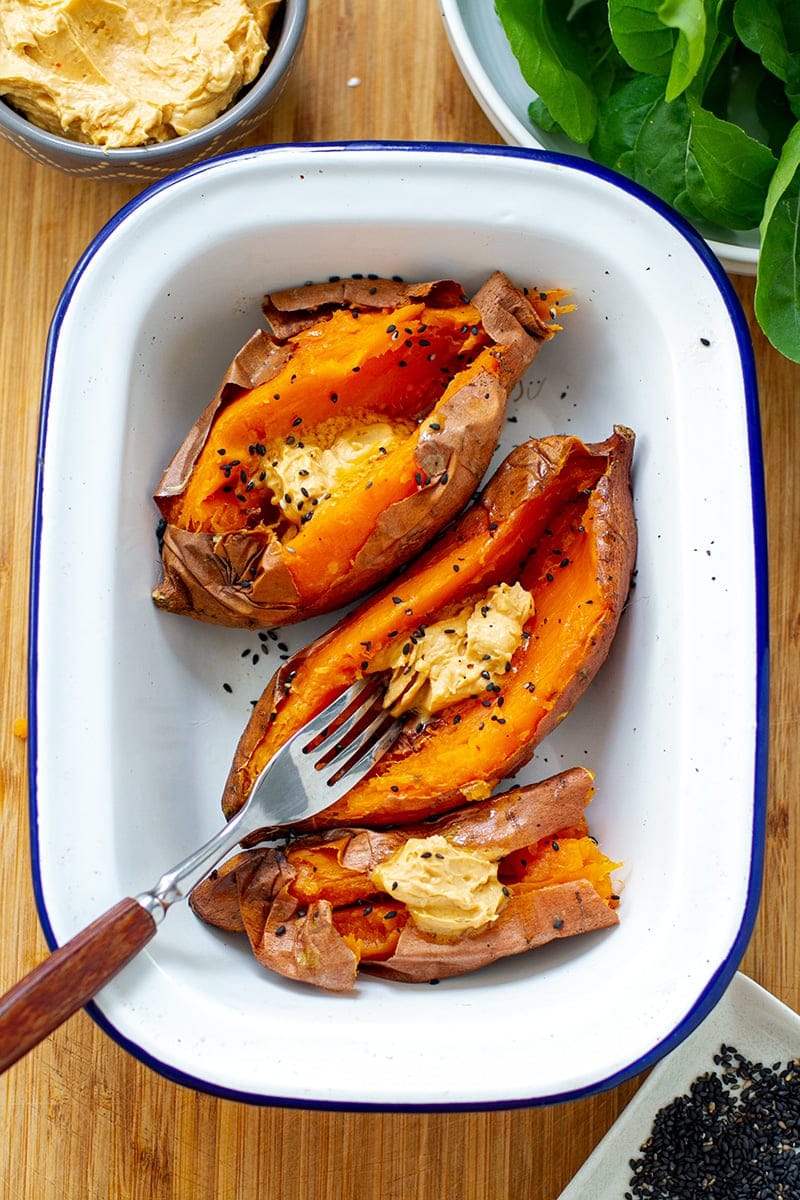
{"x": 727, "y": 172}
{"x": 553, "y": 62}
{"x": 688, "y": 17}
{"x": 645, "y": 138}
{"x": 771, "y": 28}
{"x": 777, "y": 298}
{"x": 704, "y": 167}
{"x": 642, "y": 39}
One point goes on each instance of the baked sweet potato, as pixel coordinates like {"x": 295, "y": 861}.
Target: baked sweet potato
{"x": 500, "y": 877}
{"x": 340, "y": 444}
{"x": 555, "y": 524}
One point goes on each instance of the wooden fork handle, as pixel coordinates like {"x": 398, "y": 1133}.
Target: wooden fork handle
{"x": 70, "y": 977}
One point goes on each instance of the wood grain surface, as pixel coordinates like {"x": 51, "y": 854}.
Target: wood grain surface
{"x": 81, "y": 1120}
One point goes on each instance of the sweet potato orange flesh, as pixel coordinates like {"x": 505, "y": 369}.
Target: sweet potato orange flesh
{"x": 344, "y": 368}
{"x": 558, "y": 518}
{"x": 371, "y": 930}
{"x": 323, "y": 548}
{"x": 566, "y": 857}
{"x": 320, "y": 876}
{"x": 312, "y": 912}
{"x": 370, "y": 924}
{"x": 255, "y": 531}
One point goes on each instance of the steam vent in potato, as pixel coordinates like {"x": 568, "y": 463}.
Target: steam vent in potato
{"x": 485, "y": 642}
{"x": 423, "y": 902}
{"x": 340, "y": 443}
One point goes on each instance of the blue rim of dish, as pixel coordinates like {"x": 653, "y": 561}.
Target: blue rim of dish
{"x": 724, "y": 973}
{"x": 271, "y": 77}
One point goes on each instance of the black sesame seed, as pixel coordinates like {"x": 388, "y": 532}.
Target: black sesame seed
{"x": 734, "y": 1134}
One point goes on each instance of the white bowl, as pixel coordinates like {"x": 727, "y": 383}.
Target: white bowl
{"x": 481, "y": 49}
{"x": 133, "y": 732}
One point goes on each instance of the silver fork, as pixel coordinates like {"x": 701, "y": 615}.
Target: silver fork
{"x": 312, "y": 770}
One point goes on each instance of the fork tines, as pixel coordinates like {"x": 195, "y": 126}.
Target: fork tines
{"x": 352, "y": 732}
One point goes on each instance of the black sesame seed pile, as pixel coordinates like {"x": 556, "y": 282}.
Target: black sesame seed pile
{"x": 734, "y": 1136}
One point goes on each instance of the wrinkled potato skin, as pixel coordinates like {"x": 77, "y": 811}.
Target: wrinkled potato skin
{"x": 250, "y": 893}
{"x": 531, "y": 467}
{"x": 244, "y": 578}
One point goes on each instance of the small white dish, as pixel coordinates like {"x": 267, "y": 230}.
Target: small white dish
{"x": 491, "y": 71}
{"x": 133, "y": 732}
{"x": 749, "y": 1018}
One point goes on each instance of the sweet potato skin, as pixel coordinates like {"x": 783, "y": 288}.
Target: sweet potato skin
{"x": 302, "y": 942}
{"x": 248, "y": 578}
{"x": 444, "y": 765}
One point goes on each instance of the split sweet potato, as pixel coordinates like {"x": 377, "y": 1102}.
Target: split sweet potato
{"x": 338, "y": 445}
{"x": 322, "y": 907}
{"x": 555, "y": 524}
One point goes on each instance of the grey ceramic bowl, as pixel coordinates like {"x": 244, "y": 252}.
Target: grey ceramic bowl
{"x": 139, "y": 163}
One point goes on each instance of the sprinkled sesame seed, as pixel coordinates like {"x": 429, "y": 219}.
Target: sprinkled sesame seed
{"x": 734, "y": 1135}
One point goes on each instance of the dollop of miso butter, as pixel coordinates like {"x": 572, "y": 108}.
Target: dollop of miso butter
{"x": 460, "y": 656}
{"x": 446, "y": 889}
